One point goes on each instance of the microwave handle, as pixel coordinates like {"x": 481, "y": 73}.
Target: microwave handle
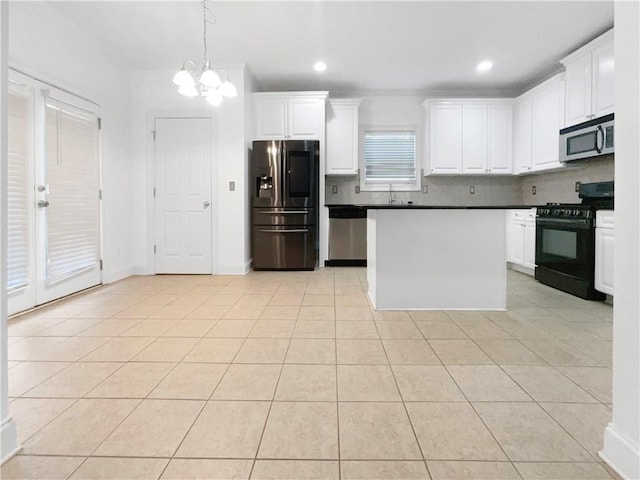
{"x": 599, "y": 134}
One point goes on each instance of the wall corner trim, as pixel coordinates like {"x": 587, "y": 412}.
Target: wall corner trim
{"x": 620, "y": 453}
{"x": 8, "y": 440}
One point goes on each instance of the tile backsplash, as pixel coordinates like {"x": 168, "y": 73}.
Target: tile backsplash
{"x": 556, "y": 186}
{"x": 560, "y": 186}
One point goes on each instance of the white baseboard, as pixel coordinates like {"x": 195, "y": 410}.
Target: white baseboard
{"x": 521, "y": 269}
{"x": 8, "y": 440}
{"x": 620, "y": 453}
{"x": 113, "y": 276}
{"x": 234, "y": 269}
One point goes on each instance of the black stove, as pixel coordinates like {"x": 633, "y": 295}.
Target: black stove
{"x": 565, "y": 241}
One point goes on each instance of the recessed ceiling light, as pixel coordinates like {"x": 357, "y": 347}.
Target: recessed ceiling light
{"x": 320, "y": 66}
{"x": 485, "y": 66}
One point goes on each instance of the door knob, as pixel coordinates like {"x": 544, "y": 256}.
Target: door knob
{"x": 43, "y": 203}
{"x": 206, "y": 204}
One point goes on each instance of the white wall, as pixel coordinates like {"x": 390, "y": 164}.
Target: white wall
{"x": 51, "y": 48}
{"x": 154, "y": 96}
{"x": 622, "y": 436}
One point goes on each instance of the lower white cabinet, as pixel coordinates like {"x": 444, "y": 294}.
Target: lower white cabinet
{"x": 605, "y": 222}
{"x": 521, "y": 239}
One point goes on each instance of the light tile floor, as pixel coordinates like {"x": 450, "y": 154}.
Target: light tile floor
{"x": 293, "y": 375}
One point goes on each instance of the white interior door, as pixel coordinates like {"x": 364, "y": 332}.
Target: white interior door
{"x": 183, "y": 195}
{"x": 53, "y": 201}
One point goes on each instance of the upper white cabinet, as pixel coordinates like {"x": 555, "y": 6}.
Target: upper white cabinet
{"x": 539, "y": 117}
{"x": 284, "y": 116}
{"x": 469, "y": 136}
{"x": 445, "y": 138}
{"x": 590, "y": 80}
{"x": 342, "y": 137}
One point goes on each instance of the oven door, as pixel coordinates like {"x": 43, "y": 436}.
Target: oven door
{"x": 565, "y": 256}
{"x": 566, "y": 245}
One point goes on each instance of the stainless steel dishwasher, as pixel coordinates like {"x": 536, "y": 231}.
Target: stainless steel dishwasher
{"x": 347, "y": 236}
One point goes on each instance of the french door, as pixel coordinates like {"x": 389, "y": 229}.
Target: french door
{"x": 183, "y": 157}
{"x": 53, "y": 194}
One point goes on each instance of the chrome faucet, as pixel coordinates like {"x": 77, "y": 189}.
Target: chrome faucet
{"x": 391, "y": 197}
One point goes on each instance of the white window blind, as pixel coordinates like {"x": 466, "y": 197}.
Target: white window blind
{"x": 18, "y": 244}
{"x": 72, "y": 174}
{"x": 390, "y": 157}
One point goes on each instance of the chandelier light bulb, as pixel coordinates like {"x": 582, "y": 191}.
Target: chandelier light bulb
{"x": 228, "y": 89}
{"x": 209, "y": 78}
{"x": 213, "y": 97}
{"x": 188, "y": 91}
{"x": 183, "y": 78}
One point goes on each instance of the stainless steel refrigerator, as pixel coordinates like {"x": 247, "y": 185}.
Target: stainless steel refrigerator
{"x": 284, "y": 201}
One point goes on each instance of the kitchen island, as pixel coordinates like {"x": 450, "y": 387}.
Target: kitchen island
{"x": 436, "y": 258}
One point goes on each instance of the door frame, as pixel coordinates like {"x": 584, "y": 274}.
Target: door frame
{"x": 152, "y": 116}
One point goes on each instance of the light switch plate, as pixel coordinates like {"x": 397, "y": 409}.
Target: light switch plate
{"x": 472, "y": 190}
{"x": 425, "y": 189}
{"x": 334, "y": 189}
{"x": 357, "y": 188}
{"x": 232, "y": 186}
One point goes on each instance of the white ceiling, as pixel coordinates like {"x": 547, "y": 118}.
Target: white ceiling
{"x": 417, "y": 47}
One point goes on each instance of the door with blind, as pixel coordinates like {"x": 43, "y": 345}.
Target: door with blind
{"x": 54, "y": 187}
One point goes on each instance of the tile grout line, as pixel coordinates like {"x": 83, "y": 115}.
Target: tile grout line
{"x": 275, "y": 390}
{"x": 467, "y": 400}
{"x": 404, "y": 406}
{"x": 204, "y": 404}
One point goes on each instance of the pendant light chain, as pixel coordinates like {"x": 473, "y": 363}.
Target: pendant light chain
{"x": 205, "y": 10}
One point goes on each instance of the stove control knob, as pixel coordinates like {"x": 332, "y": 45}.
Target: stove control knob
{"x": 576, "y": 213}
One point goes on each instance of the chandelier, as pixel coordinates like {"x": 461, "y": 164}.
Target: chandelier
{"x": 207, "y": 83}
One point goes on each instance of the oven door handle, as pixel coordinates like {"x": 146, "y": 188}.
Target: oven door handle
{"x": 599, "y": 134}
{"x": 565, "y": 222}
{"x": 296, "y": 230}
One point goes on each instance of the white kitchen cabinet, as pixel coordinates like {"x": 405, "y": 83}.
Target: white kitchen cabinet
{"x": 342, "y": 137}
{"x": 530, "y": 239}
{"x": 474, "y": 138}
{"x": 291, "y": 116}
{"x": 590, "y": 80}
{"x": 500, "y": 139}
{"x": 539, "y": 118}
{"x": 469, "y": 136}
{"x": 445, "y": 138}
{"x": 521, "y": 239}
{"x": 605, "y": 223}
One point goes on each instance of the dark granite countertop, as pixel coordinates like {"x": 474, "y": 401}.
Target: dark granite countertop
{"x": 406, "y": 206}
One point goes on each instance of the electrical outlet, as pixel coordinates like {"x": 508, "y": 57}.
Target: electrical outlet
{"x": 357, "y": 188}
{"x": 425, "y": 189}
{"x": 472, "y": 190}
{"x": 533, "y": 190}
{"x": 232, "y": 186}
{"x": 577, "y": 186}
{"x": 334, "y": 189}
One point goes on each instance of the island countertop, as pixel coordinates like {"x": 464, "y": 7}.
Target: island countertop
{"x": 405, "y": 206}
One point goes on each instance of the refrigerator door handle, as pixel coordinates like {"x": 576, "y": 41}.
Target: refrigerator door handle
{"x": 285, "y": 212}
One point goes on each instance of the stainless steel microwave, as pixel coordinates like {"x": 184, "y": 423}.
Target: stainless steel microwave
{"x": 588, "y": 139}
